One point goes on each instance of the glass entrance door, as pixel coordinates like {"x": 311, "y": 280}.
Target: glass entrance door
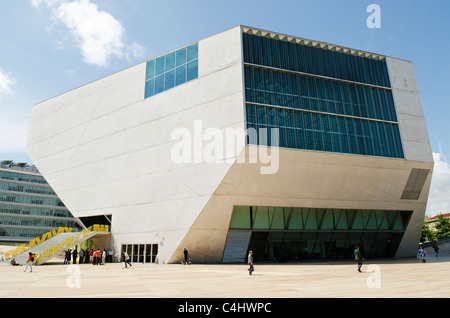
{"x": 141, "y": 253}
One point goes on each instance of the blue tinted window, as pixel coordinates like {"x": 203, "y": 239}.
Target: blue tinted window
{"x": 170, "y": 61}
{"x": 170, "y": 70}
{"x": 339, "y": 116}
{"x": 160, "y": 65}
{"x": 181, "y": 74}
{"x": 181, "y": 56}
{"x": 398, "y": 142}
{"x": 192, "y": 52}
{"x": 169, "y": 80}
{"x": 192, "y": 70}
{"x": 150, "y": 70}
{"x": 159, "y": 84}
{"x": 149, "y": 88}
{"x": 301, "y": 57}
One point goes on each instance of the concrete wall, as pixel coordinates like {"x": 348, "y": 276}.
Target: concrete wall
{"x": 415, "y": 139}
{"x": 106, "y": 150}
{"x": 413, "y": 129}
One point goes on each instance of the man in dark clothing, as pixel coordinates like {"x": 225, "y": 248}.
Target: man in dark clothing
{"x": 436, "y": 250}
{"x": 81, "y": 256}
{"x": 186, "y": 253}
{"x": 250, "y": 263}
{"x": 67, "y": 258}
{"x": 74, "y": 256}
{"x": 358, "y": 257}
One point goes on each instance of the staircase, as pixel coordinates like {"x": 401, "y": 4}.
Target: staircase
{"x": 56, "y": 245}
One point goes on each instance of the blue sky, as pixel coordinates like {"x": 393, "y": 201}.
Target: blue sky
{"x": 48, "y": 47}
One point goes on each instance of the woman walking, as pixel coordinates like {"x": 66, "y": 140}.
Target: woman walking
{"x": 422, "y": 253}
{"x": 250, "y": 263}
{"x": 30, "y": 261}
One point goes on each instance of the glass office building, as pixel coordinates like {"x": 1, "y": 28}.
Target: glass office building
{"x": 344, "y": 128}
{"x": 28, "y": 205}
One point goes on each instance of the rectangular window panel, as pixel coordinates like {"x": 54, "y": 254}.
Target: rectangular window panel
{"x": 180, "y": 75}
{"x": 192, "y": 70}
{"x": 149, "y": 88}
{"x": 309, "y": 133}
{"x": 261, "y": 218}
{"x": 192, "y": 52}
{"x": 160, "y": 65}
{"x": 318, "y": 132}
{"x": 159, "y": 84}
{"x": 241, "y": 218}
{"x": 327, "y": 134}
{"x": 170, "y": 61}
{"x": 335, "y": 136}
{"x": 180, "y": 57}
{"x": 281, "y": 118}
{"x": 398, "y": 142}
{"x": 170, "y": 70}
{"x": 169, "y": 81}
{"x": 150, "y": 72}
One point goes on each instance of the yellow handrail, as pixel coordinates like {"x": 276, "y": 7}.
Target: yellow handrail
{"x": 57, "y": 247}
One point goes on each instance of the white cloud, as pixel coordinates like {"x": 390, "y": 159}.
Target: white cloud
{"x": 439, "y": 198}
{"x": 135, "y": 50}
{"x": 6, "y": 82}
{"x": 97, "y": 34}
{"x": 49, "y": 3}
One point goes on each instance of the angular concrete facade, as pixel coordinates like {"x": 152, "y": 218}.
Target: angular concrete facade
{"x": 107, "y": 150}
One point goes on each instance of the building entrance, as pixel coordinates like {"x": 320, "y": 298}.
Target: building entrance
{"x": 141, "y": 253}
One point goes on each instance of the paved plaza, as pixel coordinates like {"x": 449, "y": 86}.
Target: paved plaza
{"x": 394, "y": 278}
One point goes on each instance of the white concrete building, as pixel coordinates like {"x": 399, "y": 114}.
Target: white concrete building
{"x": 141, "y": 147}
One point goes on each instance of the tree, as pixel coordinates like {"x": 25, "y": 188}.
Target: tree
{"x": 442, "y": 227}
{"x": 427, "y": 233}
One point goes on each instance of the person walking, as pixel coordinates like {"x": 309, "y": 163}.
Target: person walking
{"x": 436, "y": 250}
{"x": 74, "y": 256}
{"x": 81, "y": 260}
{"x": 29, "y": 262}
{"x": 250, "y": 263}
{"x": 126, "y": 259}
{"x": 91, "y": 256}
{"x": 358, "y": 257}
{"x": 67, "y": 258}
{"x": 422, "y": 253}
{"x": 186, "y": 255}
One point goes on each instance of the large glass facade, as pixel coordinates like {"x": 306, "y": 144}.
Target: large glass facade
{"x": 291, "y": 234}
{"x": 319, "y": 98}
{"x": 314, "y": 58}
{"x": 172, "y": 69}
